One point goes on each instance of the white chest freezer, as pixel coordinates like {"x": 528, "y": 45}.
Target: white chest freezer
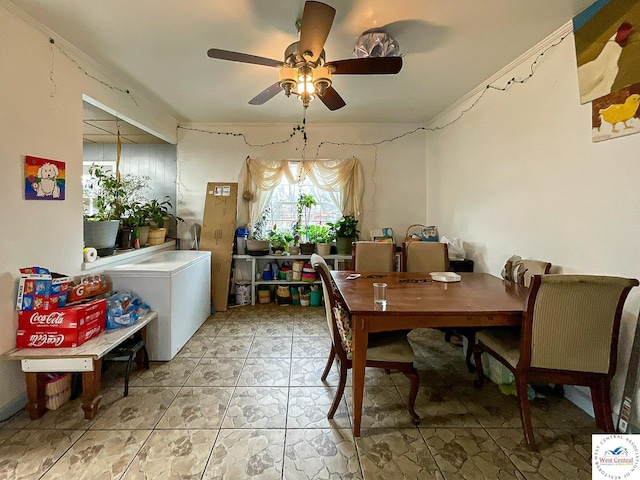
{"x": 177, "y": 285}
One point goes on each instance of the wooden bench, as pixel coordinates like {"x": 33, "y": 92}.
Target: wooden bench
{"x": 87, "y": 358}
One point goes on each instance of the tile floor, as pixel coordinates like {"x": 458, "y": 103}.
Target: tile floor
{"x": 243, "y": 399}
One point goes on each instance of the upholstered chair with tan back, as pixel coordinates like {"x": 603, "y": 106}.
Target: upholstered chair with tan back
{"x": 569, "y": 336}
{"x": 373, "y": 256}
{"x": 424, "y": 257}
{"x": 386, "y": 350}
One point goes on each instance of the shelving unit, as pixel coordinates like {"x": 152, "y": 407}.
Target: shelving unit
{"x": 332, "y": 260}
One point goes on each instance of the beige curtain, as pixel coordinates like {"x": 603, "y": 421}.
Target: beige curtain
{"x": 343, "y": 179}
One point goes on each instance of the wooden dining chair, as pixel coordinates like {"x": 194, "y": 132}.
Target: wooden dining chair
{"x": 373, "y": 256}
{"x": 386, "y": 350}
{"x": 424, "y": 257}
{"x": 569, "y": 336}
{"x": 519, "y": 271}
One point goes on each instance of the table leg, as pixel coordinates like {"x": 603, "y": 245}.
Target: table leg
{"x": 91, "y": 390}
{"x": 141, "y": 361}
{"x": 358, "y": 365}
{"x": 36, "y": 399}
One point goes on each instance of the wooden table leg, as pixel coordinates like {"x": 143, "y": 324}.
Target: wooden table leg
{"x": 36, "y": 399}
{"x": 91, "y": 390}
{"x": 358, "y": 365}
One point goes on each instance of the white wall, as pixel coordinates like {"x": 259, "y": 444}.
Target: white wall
{"x": 518, "y": 174}
{"x": 41, "y": 115}
{"x": 395, "y": 172}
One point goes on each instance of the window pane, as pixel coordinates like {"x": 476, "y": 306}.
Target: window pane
{"x": 284, "y": 205}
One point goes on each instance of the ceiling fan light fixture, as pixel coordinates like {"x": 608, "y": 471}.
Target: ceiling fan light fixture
{"x": 321, "y": 79}
{"x": 287, "y": 79}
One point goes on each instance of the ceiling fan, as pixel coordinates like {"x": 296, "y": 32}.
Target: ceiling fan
{"x": 304, "y": 71}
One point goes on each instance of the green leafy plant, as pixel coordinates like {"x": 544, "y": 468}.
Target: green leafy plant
{"x": 114, "y": 196}
{"x": 258, "y": 230}
{"x": 345, "y": 227}
{"x": 280, "y": 238}
{"x": 320, "y": 234}
{"x": 305, "y": 202}
{"x": 138, "y": 215}
{"x": 158, "y": 210}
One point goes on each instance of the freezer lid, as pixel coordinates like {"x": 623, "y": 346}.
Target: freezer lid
{"x": 161, "y": 264}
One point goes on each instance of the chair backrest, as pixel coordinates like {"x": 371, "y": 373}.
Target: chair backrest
{"x": 526, "y": 269}
{"x": 521, "y": 271}
{"x": 372, "y": 256}
{"x": 571, "y": 322}
{"x": 425, "y": 257}
{"x": 322, "y": 269}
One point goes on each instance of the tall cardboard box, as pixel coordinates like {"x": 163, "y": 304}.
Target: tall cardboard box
{"x": 218, "y": 231}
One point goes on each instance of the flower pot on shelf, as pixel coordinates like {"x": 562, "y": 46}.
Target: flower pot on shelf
{"x": 307, "y": 248}
{"x": 143, "y": 235}
{"x": 101, "y": 235}
{"x": 257, "y": 247}
{"x": 156, "y": 236}
{"x": 324, "y": 249}
{"x": 343, "y": 245}
{"x": 126, "y": 238}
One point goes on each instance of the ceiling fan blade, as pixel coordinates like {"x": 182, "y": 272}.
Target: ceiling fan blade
{"x": 266, "y": 95}
{"x": 367, "y": 66}
{"x": 242, "y": 57}
{"x": 317, "y": 19}
{"x": 332, "y": 99}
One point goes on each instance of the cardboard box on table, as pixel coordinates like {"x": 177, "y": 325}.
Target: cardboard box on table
{"x": 63, "y": 327}
{"x": 42, "y": 290}
{"x": 217, "y": 236}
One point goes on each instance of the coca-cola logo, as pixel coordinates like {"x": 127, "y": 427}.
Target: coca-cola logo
{"x": 92, "y": 331}
{"x": 42, "y": 339}
{"x": 53, "y": 318}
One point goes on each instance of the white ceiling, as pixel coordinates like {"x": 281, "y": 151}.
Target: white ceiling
{"x": 159, "y": 48}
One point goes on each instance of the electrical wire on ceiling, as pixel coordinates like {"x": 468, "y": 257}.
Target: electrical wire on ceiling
{"x": 302, "y": 128}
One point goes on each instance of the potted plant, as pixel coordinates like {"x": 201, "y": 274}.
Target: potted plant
{"x": 345, "y": 232}
{"x": 322, "y": 236}
{"x": 111, "y": 195}
{"x": 280, "y": 239}
{"x": 305, "y": 202}
{"x": 158, "y": 213}
{"x": 259, "y": 243}
{"x": 138, "y": 218}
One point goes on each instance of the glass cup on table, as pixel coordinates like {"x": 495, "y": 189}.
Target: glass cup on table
{"x": 380, "y": 293}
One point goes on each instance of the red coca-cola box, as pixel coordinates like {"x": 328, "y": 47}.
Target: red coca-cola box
{"x": 64, "y": 327}
{"x": 51, "y": 338}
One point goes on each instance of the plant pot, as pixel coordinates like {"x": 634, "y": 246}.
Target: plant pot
{"x": 156, "y": 236}
{"x": 305, "y": 299}
{"x": 343, "y": 245}
{"x": 126, "y": 238}
{"x": 101, "y": 236}
{"x": 257, "y": 247}
{"x": 307, "y": 248}
{"x": 143, "y": 234}
{"x": 294, "y": 250}
{"x": 324, "y": 249}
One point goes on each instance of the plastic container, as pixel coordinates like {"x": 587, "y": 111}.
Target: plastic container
{"x": 315, "y": 297}
{"x": 241, "y": 240}
{"x": 243, "y": 292}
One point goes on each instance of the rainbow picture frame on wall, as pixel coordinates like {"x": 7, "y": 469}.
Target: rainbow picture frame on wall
{"x": 44, "y": 179}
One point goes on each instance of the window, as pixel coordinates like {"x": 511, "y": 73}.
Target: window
{"x": 337, "y": 185}
{"x": 284, "y": 200}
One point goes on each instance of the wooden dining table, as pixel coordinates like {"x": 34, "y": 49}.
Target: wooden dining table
{"x": 414, "y": 300}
